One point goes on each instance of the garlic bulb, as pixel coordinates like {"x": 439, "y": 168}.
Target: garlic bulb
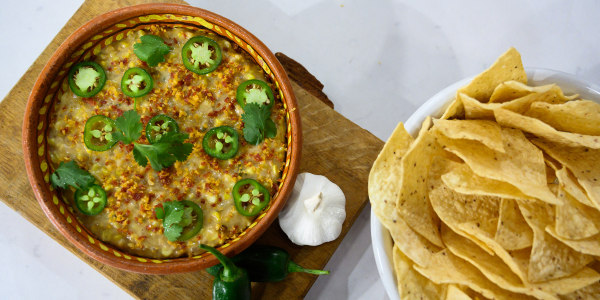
{"x": 315, "y": 211}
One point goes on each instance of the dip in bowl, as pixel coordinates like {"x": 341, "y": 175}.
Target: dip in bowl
{"x": 134, "y": 231}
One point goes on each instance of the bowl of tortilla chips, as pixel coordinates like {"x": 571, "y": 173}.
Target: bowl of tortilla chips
{"x": 491, "y": 189}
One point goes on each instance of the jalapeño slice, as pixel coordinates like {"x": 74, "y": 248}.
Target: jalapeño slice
{"x": 201, "y": 55}
{"x": 192, "y": 229}
{"x": 86, "y": 79}
{"x": 254, "y": 91}
{"x": 158, "y": 126}
{"x": 98, "y": 133}
{"x": 136, "y": 82}
{"x": 221, "y": 142}
{"x": 250, "y": 197}
{"x": 90, "y": 201}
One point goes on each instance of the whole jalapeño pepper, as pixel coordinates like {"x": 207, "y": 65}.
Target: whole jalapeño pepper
{"x": 266, "y": 264}
{"x": 230, "y": 282}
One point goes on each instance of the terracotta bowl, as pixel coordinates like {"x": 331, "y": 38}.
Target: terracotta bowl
{"x": 85, "y": 42}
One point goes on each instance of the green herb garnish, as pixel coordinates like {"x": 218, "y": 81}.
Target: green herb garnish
{"x": 152, "y": 49}
{"x": 257, "y": 123}
{"x": 175, "y": 217}
{"x": 70, "y": 174}
{"x": 164, "y": 152}
{"x": 129, "y": 127}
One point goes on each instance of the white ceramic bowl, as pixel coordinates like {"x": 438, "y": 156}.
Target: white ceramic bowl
{"x": 435, "y": 106}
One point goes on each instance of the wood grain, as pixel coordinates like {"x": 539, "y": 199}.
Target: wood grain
{"x": 333, "y": 146}
{"x": 299, "y": 74}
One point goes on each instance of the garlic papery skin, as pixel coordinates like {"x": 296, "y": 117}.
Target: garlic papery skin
{"x": 315, "y": 211}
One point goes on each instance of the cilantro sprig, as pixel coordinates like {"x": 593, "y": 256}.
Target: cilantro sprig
{"x": 130, "y": 127}
{"x": 70, "y": 174}
{"x": 162, "y": 154}
{"x": 257, "y": 123}
{"x": 152, "y": 49}
{"x": 175, "y": 216}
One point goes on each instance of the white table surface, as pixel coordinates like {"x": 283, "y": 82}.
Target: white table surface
{"x": 378, "y": 60}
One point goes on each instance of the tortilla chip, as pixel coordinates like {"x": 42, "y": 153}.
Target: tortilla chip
{"x": 567, "y": 285}
{"x": 511, "y": 90}
{"x": 589, "y": 292}
{"x": 575, "y": 221}
{"x": 477, "y": 110}
{"x": 512, "y": 233}
{"x": 413, "y": 203}
{"x": 492, "y": 267}
{"x": 545, "y": 94}
{"x": 522, "y": 165}
{"x": 412, "y": 244}
{"x": 411, "y": 284}
{"x": 445, "y": 267}
{"x": 454, "y": 110}
{"x": 454, "y": 208}
{"x": 550, "y": 259}
{"x": 500, "y": 274}
{"x": 552, "y": 163}
{"x": 590, "y": 245}
{"x": 507, "y": 67}
{"x": 569, "y": 184}
{"x": 462, "y": 179}
{"x": 583, "y": 162}
{"x": 385, "y": 175}
{"x": 453, "y": 292}
{"x": 486, "y": 132}
{"x": 534, "y": 126}
{"x": 581, "y": 116}
{"x": 384, "y": 189}
{"x": 517, "y": 260}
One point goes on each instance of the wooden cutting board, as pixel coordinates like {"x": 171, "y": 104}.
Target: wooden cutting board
{"x": 333, "y": 146}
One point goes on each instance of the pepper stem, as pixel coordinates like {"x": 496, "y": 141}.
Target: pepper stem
{"x": 230, "y": 271}
{"x": 294, "y": 267}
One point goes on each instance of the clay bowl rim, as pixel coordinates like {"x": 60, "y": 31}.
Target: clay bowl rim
{"x": 49, "y": 73}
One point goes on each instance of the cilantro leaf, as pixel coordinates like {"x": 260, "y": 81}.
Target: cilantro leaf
{"x": 160, "y": 212}
{"x": 164, "y": 153}
{"x": 187, "y": 218}
{"x": 173, "y": 213}
{"x": 69, "y": 174}
{"x": 175, "y": 217}
{"x": 152, "y": 49}
{"x": 173, "y": 232}
{"x": 129, "y": 127}
{"x": 138, "y": 155}
{"x": 270, "y": 129}
{"x": 257, "y": 123}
